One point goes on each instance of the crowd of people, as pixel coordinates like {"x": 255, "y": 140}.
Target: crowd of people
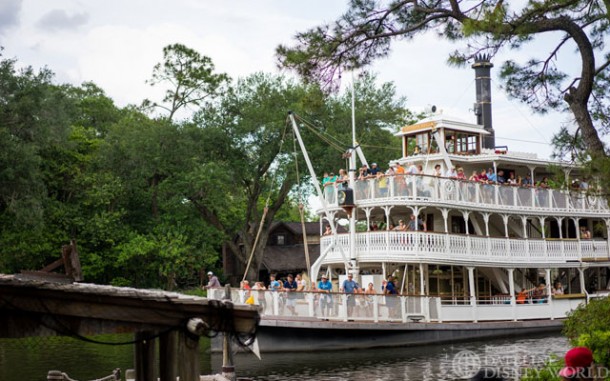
{"x": 291, "y": 289}
{"x": 484, "y": 176}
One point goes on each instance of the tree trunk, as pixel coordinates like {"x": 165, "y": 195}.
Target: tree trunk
{"x": 585, "y": 123}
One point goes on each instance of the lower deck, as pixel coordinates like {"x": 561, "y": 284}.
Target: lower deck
{"x": 404, "y": 308}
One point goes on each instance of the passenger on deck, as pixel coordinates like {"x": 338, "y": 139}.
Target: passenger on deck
{"x": 482, "y": 177}
{"x": 350, "y": 287}
{"x": 500, "y": 177}
{"x": 401, "y": 226}
{"x": 544, "y": 183}
{"x": 437, "y": 170}
{"x": 527, "y": 181}
{"x": 492, "y": 177}
{"x": 326, "y": 300}
{"x": 474, "y": 176}
{"x": 343, "y": 178}
{"x": 374, "y": 170}
{"x": 290, "y": 286}
{"x": 301, "y": 284}
{"x": 460, "y": 173}
{"x": 369, "y": 298}
{"x": 259, "y": 289}
{"x": 558, "y": 289}
{"x": 539, "y": 294}
{"x": 325, "y": 178}
{"x": 511, "y": 179}
{"x": 585, "y": 233}
{"x": 416, "y": 224}
{"x": 392, "y": 300}
{"x": 328, "y": 230}
{"x": 274, "y": 285}
{"x": 413, "y": 170}
{"x": 451, "y": 173}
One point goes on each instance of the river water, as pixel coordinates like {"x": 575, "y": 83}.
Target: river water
{"x": 31, "y": 359}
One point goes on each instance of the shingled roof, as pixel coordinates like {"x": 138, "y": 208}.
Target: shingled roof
{"x": 289, "y": 258}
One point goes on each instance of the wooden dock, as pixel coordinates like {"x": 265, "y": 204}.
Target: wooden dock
{"x": 31, "y": 307}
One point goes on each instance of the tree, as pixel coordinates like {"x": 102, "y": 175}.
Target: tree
{"x": 365, "y": 33}
{"x": 250, "y": 145}
{"x": 191, "y": 78}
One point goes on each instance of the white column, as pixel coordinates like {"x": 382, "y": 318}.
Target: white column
{"x": 581, "y": 276}
{"x": 511, "y": 285}
{"x": 561, "y": 242}
{"x": 471, "y": 286}
{"x": 445, "y": 213}
{"x": 524, "y": 223}
{"x": 505, "y": 220}
{"x": 367, "y": 212}
{"x": 607, "y": 221}
{"x": 549, "y": 291}
{"x": 422, "y": 284}
{"x": 511, "y": 291}
{"x": 486, "y": 219}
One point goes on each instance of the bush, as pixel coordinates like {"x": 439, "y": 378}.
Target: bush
{"x": 589, "y": 326}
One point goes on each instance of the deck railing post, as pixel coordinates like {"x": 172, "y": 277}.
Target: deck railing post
{"x": 403, "y": 310}
{"x": 344, "y": 307}
{"x": 311, "y": 304}
{"x": 376, "y": 308}
{"x": 228, "y": 369}
{"x": 439, "y": 309}
{"x": 276, "y": 303}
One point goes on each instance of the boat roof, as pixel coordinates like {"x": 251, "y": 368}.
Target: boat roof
{"x": 436, "y": 121}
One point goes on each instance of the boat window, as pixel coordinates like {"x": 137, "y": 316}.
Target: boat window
{"x": 422, "y": 141}
{"x": 280, "y": 239}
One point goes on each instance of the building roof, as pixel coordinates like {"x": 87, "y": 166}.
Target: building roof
{"x": 440, "y": 121}
{"x": 311, "y": 228}
{"x": 289, "y": 257}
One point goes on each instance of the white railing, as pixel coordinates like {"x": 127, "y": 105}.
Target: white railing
{"x": 440, "y": 189}
{"x": 400, "y": 246}
{"x": 397, "y": 308}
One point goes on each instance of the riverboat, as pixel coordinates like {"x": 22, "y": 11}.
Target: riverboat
{"x": 482, "y": 259}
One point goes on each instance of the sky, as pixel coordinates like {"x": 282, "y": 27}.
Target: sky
{"x": 116, "y": 43}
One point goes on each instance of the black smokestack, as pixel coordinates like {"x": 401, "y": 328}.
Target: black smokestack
{"x": 482, "y": 108}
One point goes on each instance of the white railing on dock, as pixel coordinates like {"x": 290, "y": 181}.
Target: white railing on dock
{"x": 494, "y": 196}
{"x": 399, "y": 308}
{"x": 403, "y": 246}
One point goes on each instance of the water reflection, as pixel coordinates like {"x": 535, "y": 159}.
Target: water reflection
{"x": 435, "y": 362}
{"x": 32, "y": 358}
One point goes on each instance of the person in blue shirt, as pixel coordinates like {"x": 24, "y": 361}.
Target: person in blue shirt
{"x": 326, "y": 300}
{"x": 290, "y": 286}
{"x": 274, "y": 285}
{"x": 350, "y": 286}
{"x": 391, "y": 301}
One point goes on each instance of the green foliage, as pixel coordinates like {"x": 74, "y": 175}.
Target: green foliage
{"x": 589, "y": 325}
{"x": 149, "y": 201}
{"x": 191, "y": 77}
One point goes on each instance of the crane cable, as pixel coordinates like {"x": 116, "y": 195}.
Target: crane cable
{"x": 265, "y": 210}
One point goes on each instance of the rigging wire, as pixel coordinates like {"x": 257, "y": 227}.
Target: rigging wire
{"x": 331, "y": 140}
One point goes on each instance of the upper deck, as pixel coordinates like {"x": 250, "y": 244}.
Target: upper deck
{"x": 454, "y": 193}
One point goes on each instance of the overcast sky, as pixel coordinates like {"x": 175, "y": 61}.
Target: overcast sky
{"x": 116, "y": 43}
